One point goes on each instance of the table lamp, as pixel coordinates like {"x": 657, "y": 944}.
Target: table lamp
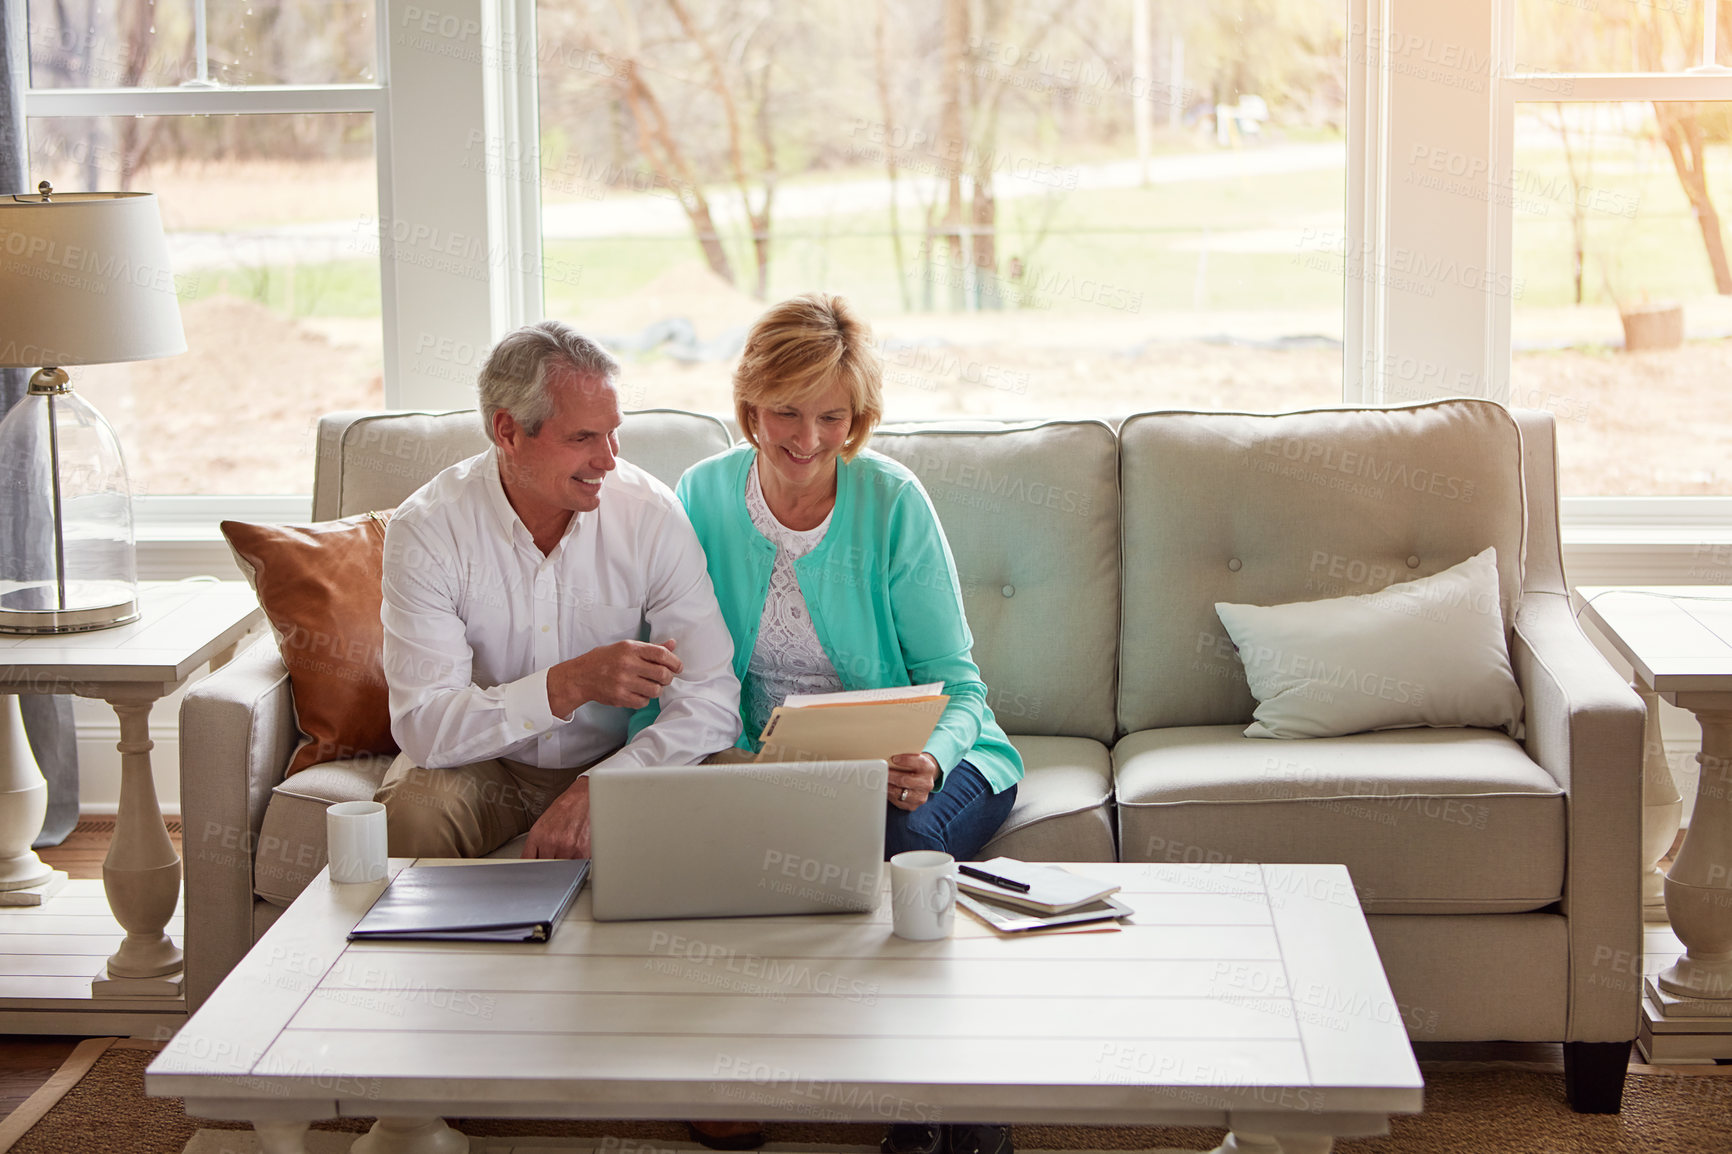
{"x": 84, "y": 280}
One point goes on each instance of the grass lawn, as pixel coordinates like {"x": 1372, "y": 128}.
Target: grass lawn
{"x": 1138, "y": 248}
{"x": 1248, "y": 244}
{"x": 348, "y": 288}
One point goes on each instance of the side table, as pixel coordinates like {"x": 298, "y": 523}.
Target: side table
{"x": 182, "y": 626}
{"x": 1678, "y": 639}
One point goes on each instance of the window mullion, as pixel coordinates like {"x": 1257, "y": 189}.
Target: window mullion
{"x": 285, "y": 100}
{"x": 201, "y": 42}
{"x": 1599, "y": 87}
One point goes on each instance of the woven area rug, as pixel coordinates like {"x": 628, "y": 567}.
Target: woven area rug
{"x": 96, "y": 1105}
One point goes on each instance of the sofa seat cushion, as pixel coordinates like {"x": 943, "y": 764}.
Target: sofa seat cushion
{"x": 1063, "y": 809}
{"x": 1440, "y": 821}
{"x": 292, "y": 837}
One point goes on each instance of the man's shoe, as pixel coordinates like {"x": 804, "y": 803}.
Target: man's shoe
{"x": 727, "y": 1135}
{"x": 978, "y": 1140}
{"x": 911, "y": 1138}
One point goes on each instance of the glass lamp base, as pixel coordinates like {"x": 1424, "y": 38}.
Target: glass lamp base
{"x": 68, "y": 620}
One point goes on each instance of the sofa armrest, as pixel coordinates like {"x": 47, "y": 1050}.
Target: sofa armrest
{"x": 1584, "y": 727}
{"x": 237, "y": 732}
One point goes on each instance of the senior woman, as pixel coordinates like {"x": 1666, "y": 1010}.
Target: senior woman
{"x": 833, "y": 573}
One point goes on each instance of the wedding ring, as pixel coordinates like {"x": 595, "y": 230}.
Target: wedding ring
{"x": 904, "y": 796}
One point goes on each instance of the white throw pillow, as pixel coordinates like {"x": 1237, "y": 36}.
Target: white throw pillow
{"x": 1424, "y": 652}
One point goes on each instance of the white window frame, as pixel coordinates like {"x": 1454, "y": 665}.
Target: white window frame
{"x": 1461, "y": 336}
{"x": 451, "y": 73}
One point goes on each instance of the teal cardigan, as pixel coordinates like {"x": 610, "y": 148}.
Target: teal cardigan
{"x": 881, "y": 587}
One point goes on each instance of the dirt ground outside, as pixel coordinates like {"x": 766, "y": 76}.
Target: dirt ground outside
{"x": 235, "y": 414}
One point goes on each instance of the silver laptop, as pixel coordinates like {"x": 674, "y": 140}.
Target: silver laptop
{"x": 716, "y": 841}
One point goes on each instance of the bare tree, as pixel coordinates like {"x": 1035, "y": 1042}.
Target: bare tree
{"x": 698, "y": 82}
{"x": 664, "y": 154}
{"x": 1578, "y": 204}
{"x": 881, "y": 73}
{"x": 1681, "y": 131}
{"x": 952, "y": 135}
{"x": 727, "y": 89}
{"x": 1680, "y": 125}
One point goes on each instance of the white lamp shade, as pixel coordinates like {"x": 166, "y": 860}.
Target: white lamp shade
{"x": 85, "y": 280}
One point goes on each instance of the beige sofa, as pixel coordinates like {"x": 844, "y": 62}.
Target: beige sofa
{"x": 1499, "y": 877}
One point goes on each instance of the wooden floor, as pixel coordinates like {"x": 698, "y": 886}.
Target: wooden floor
{"x": 26, "y": 1063}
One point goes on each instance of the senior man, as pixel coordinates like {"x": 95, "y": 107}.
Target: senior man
{"x": 517, "y": 584}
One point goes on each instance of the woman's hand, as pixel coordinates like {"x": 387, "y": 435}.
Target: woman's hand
{"x": 913, "y": 777}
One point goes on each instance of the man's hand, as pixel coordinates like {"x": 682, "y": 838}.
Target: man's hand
{"x": 912, "y": 778}
{"x": 627, "y": 673}
{"x": 562, "y": 830}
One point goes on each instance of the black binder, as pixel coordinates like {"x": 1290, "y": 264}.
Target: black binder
{"x": 507, "y": 902}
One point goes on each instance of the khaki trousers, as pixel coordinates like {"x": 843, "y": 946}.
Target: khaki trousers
{"x": 465, "y": 811}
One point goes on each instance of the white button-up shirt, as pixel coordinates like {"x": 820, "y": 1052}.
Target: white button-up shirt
{"x": 475, "y": 615}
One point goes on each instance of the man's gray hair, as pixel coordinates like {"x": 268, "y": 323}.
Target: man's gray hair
{"x": 514, "y": 378}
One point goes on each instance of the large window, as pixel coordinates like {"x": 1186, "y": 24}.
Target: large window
{"x": 1620, "y": 327}
{"x": 1097, "y": 207}
{"x": 278, "y": 272}
{"x": 1618, "y": 173}
{"x": 271, "y": 218}
{"x": 1091, "y": 208}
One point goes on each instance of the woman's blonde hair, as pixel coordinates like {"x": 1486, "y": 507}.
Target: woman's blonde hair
{"x": 801, "y": 347}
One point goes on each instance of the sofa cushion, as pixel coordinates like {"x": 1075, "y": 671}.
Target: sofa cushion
{"x": 1032, "y": 515}
{"x": 374, "y": 460}
{"x": 1063, "y": 809}
{"x": 319, "y": 586}
{"x": 292, "y": 837}
{"x": 1430, "y": 651}
{"x": 1441, "y": 821}
{"x": 1266, "y": 509}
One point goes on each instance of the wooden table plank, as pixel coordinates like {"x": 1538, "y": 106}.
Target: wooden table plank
{"x": 1662, "y": 634}
{"x": 1352, "y": 1027}
{"x": 1109, "y": 978}
{"x": 431, "y": 1065}
{"x": 856, "y": 1012}
{"x": 241, "y": 1018}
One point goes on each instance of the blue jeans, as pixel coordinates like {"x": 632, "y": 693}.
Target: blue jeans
{"x": 959, "y": 819}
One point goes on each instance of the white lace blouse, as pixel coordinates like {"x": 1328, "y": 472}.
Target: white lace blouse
{"x": 787, "y": 657}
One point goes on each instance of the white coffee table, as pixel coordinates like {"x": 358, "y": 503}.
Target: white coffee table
{"x": 1242, "y": 996}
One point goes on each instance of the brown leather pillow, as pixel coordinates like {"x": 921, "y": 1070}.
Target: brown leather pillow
{"x": 319, "y": 586}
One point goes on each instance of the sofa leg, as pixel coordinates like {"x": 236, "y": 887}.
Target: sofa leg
{"x": 1594, "y": 1075}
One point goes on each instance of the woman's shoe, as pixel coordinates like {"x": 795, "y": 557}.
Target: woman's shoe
{"x": 912, "y": 1138}
{"x": 727, "y": 1135}
{"x": 978, "y": 1140}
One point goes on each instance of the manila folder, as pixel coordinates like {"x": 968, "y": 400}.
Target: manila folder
{"x": 848, "y": 730}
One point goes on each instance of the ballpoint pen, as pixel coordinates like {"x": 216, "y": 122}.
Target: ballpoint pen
{"x": 1007, "y": 883}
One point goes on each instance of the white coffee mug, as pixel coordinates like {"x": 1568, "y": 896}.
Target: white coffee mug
{"x": 922, "y": 894}
{"x": 355, "y": 833}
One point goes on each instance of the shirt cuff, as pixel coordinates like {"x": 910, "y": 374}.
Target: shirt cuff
{"x": 527, "y": 713}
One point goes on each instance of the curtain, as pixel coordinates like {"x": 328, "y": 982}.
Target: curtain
{"x": 47, "y": 717}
